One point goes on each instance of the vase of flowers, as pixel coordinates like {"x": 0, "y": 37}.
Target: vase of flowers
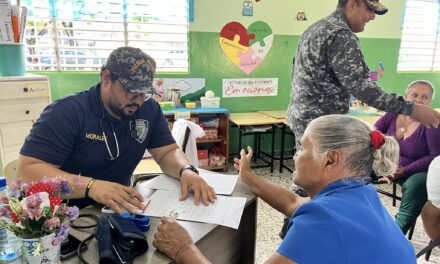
{"x": 35, "y": 212}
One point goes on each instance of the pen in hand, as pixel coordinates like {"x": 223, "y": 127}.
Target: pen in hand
{"x": 146, "y": 205}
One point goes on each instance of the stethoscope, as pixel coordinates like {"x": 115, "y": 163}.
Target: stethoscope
{"x": 133, "y": 132}
{"x": 101, "y": 121}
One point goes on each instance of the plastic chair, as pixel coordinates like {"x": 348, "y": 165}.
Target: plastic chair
{"x": 186, "y": 133}
{"x": 11, "y": 171}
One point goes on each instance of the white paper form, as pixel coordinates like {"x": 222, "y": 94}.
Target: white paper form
{"x": 226, "y": 210}
{"x": 222, "y": 183}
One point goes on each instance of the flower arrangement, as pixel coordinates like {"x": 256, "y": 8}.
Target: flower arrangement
{"x": 36, "y": 210}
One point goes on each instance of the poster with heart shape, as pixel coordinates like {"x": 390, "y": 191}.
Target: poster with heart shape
{"x": 246, "y": 48}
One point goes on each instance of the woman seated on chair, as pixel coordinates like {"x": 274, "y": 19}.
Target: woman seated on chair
{"x": 418, "y": 147}
{"x": 431, "y": 210}
{"x": 344, "y": 222}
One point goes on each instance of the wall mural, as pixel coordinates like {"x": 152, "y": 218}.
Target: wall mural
{"x": 189, "y": 88}
{"x": 246, "y": 48}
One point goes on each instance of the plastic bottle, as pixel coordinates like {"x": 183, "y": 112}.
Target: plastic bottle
{"x": 10, "y": 245}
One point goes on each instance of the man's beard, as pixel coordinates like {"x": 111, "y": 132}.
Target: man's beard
{"x": 120, "y": 111}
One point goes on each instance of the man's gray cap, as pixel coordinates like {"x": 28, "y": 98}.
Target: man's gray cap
{"x": 135, "y": 69}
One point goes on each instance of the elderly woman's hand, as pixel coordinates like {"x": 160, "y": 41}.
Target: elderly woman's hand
{"x": 397, "y": 175}
{"x": 172, "y": 239}
{"x": 387, "y": 179}
{"x": 244, "y": 164}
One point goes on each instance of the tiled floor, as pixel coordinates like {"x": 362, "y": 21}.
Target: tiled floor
{"x": 269, "y": 221}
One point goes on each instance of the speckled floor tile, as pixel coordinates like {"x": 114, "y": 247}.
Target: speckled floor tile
{"x": 269, "y": 221}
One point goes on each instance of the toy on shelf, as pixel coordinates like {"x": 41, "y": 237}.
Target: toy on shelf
{"x": 166, "y": 105}
{"x": 173, "y": 94}
{"x": 189, "y": 104}
{"x": 202, "y": 156}
{"x": 209, "y": 100}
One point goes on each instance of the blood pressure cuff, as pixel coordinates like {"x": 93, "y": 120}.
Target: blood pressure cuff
{"x": 119, "y": 239}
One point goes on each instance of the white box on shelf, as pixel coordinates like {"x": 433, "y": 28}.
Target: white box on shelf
{"x": 213, "y": 102}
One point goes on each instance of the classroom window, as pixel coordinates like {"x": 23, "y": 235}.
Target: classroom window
{"x": 79, "y": 34}
{"x": 420, "y": 43}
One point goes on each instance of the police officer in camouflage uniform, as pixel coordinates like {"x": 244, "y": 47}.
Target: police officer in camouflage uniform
{"x": 329, "y": 67}
{"x": 102, "y": 134}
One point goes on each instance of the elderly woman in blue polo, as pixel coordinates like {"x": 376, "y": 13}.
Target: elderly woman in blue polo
{"x": 343, "y": 221}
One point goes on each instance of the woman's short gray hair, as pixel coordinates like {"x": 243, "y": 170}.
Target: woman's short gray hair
{"x": 423, "y": 82}
{"x": 353, "y": 135}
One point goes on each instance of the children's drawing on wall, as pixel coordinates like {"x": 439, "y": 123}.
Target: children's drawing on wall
{"x": 158, "y": 84}
{"x": 374, "y": 77}
{"x": 246, "y": 48}
{"x": 248, "y": 8}
{"x": 186, "y": 89}
{"x": 380, "y": 69}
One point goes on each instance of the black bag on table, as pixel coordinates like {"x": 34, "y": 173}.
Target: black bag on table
{"x": 119, "y": 239}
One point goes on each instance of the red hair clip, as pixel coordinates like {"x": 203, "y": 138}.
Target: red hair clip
{"x": 377, "y": 139}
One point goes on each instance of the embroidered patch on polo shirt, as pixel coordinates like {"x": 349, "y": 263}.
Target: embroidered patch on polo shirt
{"x": 142, "y": 127}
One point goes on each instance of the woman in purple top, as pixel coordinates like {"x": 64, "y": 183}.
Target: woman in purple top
{"x": 418, "y": 147}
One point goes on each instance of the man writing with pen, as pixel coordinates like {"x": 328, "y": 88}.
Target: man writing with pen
{"x": 102, "y": 133}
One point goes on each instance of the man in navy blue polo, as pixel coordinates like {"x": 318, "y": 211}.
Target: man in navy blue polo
{"x": 102, "y": 133}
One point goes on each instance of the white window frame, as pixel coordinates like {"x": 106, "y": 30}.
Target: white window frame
{"x": 420, "y": 41}
{"x": 83, "y": 45}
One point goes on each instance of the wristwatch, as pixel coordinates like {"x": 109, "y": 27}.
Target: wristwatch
{"x": 189, "y": 167}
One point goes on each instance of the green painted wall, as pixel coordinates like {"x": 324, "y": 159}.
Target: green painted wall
{"x": 380, "y": 42}
{"x": 208, "y": 61}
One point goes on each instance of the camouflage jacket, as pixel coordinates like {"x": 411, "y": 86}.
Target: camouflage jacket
{"x": 329, "y": 67}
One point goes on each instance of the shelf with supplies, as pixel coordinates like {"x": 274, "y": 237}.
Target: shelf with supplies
{"x": 219, "y": 139}
{"x": 213, "y": 149}
{"x": 22, "y": 99}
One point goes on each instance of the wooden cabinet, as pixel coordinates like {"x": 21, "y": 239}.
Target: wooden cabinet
{"x": 22, "y": 99}
{"x": 220, "y": 143}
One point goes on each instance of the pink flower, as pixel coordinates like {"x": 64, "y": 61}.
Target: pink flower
{"x": 4, "y": 198}
{"x": 33, "y": 201}
{"x": 36, "y": 214}
{"x": 25, "y": 187}
{"x": 6, "y": 211}
{"x": 52, "y": 182}
{"x": 53, "y": 222}
{"x": 62, "y": 210}
{"x": 25, "y": 214}
{"x": 34, "y": 205}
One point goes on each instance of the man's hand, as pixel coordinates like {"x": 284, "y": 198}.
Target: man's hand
{"x": 425, "y": 115}
{"x": 191, "y": 180}
{"x": 172, "y": 239}
{"x": 118, "y": 197}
